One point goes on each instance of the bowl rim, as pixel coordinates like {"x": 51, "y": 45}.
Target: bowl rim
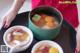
{"x": 47, "y": 41}
{"x": 48, "y": 7}
{"x": 26, "y": 45}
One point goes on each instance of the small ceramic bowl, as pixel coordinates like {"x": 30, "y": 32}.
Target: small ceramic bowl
{"x": 24, "y": 46}
{"x": 51, "y": 43}
{"x": 45, "y": 34}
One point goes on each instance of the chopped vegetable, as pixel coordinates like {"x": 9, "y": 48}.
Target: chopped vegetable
{"x": 36, "y": 17}
{"x": 53, "y": 50}
{"x": 44, "y": 21}
{"x": 49, "y": 19}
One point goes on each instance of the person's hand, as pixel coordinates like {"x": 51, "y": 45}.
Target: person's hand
{"x": 78, "y": 44}
{"x": 78, "y": 40}
{"x": 8, "y": 18}
{"x": 77, "y": 50}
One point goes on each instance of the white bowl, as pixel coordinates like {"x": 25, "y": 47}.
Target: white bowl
{"x": 28, "y": 42}
{"x": 52, "y": 43}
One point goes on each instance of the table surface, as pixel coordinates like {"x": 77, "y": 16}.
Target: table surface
{"x": 66, "y": 38}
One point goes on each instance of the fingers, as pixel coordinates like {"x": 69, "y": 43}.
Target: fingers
{"x": 76, "y": 50}
{"x": 6, "y": 23}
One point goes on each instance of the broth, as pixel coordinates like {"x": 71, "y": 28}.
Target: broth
{"x": 16, "y": 37}
{"x": 45, "y": 21}
{"x": 46, "y": 49}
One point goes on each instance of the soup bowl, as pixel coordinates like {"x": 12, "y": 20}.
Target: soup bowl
{"x": 21, "y": 45}
{"x": 45, "y": 34}
{"x": 56, "y": 47}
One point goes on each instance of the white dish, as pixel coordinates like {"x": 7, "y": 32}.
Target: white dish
{"x": 27, "y": 43}
{"x": 52, "y": 43}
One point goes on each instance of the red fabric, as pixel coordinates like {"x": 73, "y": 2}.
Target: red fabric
{"x": 69, "y": 11}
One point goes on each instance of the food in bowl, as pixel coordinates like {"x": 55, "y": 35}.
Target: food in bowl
{"x": 17, "y": 36}
{"x": 44, "y": 21}
{"x": 47, "y": 46}
{"x": 46, "y": 49}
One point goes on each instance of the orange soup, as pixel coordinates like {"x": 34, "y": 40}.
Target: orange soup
{"x": 44, "y": 21}
{"x": 16, "y": 36}
{"x": 46, "y": 49}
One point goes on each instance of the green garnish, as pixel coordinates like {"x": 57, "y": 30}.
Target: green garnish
{"x": 36, "y": 17}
